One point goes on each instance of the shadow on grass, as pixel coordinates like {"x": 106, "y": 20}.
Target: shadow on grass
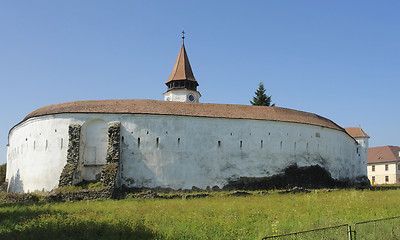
{"x": 23, "y": 223}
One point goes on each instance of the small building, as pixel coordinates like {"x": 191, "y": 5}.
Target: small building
{"x": 384, "y": 165}
{"x": 361, "y": 138}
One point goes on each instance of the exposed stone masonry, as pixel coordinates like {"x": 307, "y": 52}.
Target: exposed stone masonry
{"x": 110, "y": 170}
{"x": 67, "y": 175}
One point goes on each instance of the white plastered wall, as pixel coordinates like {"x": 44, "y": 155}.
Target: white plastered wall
{"x": 180, "y": 152}
{"x": 181, "y": 95}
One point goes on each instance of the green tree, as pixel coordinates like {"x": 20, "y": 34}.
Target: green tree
{"x": 3, "y": 169}
{"x": 260, "y": 98}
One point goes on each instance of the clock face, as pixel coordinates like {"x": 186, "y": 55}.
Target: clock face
{"x": 168, "y": 99}
{"x": 190, "y": 97}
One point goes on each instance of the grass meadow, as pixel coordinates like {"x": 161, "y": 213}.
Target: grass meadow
{"x": 216, "y": 217}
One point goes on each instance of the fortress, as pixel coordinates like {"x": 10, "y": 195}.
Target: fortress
{"x": 178, "y": 143}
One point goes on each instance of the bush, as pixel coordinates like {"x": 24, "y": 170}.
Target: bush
{"x": 3, "y": 169}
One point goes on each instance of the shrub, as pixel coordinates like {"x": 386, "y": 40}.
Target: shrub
{"x": 3, "y": 169}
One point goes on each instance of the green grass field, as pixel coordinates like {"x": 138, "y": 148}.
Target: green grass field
{"x": 217, "y": 217}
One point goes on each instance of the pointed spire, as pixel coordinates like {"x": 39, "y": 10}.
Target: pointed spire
{"x": 182, "y": 69}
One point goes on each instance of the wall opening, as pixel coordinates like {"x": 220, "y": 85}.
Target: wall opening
{"x": 179, "y": 141}
{"x": 61, "y": 143}
{"x": 138, "y": 142}
{"x": 219, "y": 143}
{"x": 94, "y": 144}
{"x": 261, "y": 143}
{"x": 241, "y": 144}
{"x": 157, "y": 142}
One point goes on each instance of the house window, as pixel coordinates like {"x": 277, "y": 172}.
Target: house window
{"x": 373, "y": 168}
{"x": 386, "y": 178}
{"x": 386, "y": 167}
{"x": 398, "y": 167}
{"x": 373, "y": 179}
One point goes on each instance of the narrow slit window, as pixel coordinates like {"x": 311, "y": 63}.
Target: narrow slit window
{"x": 179, "y": 141}
{"x": 241, "y": 144}
{"x": 138, "y": 142}
{"x": 281, "y": 146}
{"x": 261, "y": 143}
{"x": 219, "y": 143}
{"x": 61, "y": 143}
{"x": 157, "y": 141}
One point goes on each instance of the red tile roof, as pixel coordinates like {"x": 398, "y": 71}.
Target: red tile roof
{"x": 383, "y": 154}
{"x": 356, "y": 132}
{"x": 132, "y": 106}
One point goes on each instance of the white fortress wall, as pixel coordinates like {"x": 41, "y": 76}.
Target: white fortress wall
{"x": 36, "y": 153}
{"x": 181, "y": 152}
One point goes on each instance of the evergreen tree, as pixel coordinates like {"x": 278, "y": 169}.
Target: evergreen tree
{"x": 260, "y": 98}
{"x": 3, "y": 169}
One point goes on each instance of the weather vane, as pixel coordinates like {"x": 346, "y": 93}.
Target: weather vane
{"x": 183, "y": 35}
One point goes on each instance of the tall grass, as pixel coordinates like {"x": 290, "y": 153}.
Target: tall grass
{"x": 217, "y": 217}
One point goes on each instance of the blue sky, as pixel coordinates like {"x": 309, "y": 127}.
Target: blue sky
{"x": 338, "y": 59}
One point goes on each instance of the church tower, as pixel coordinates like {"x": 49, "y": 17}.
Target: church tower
{"x": 182, "y": 86}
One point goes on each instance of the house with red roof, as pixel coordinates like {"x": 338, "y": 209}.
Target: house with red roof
{"x": 384, "y": 165}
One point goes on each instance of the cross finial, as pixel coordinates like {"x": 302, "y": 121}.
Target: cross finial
{"x": 183, "y": 35}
